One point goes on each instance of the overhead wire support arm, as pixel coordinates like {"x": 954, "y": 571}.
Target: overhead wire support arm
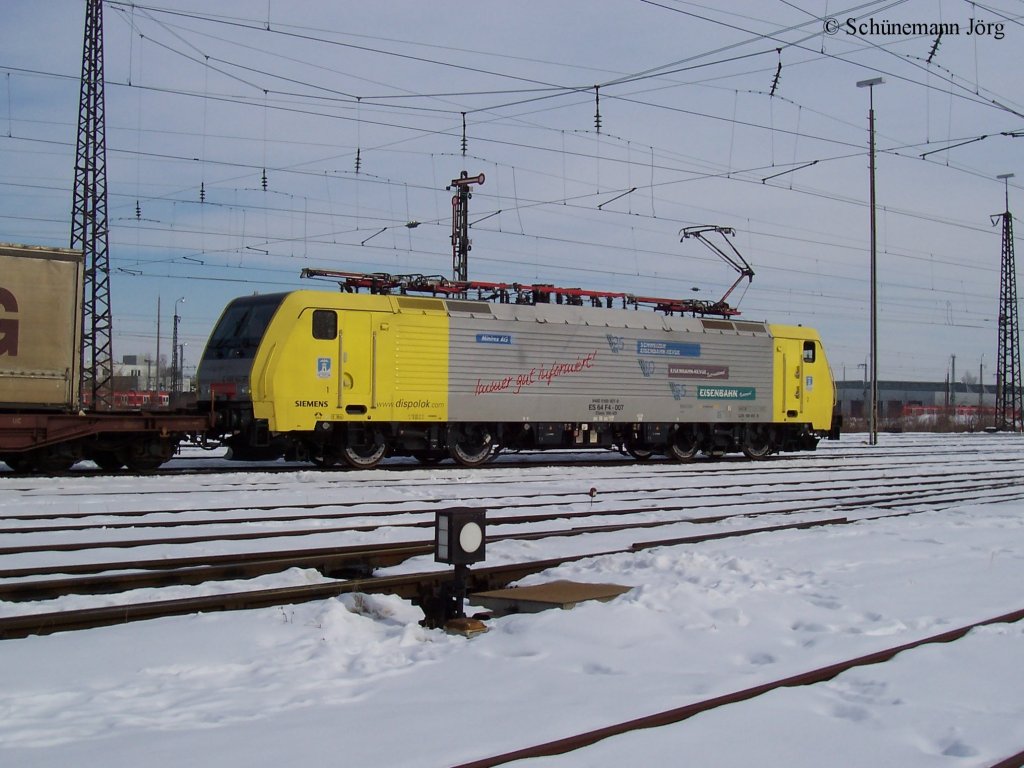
{"x": 734, "y": 259}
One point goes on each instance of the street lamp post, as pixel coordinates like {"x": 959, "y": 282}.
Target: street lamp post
{"x": 175, "y": 362}
{"x": 873, "y": 404}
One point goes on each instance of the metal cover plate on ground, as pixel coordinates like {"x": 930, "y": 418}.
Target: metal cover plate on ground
{"x": 540, "y": 597}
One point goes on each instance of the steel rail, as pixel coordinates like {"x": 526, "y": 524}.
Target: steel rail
{"x": 706, "y": 491}
{"x": 410, "y": 586}
{"x": 877, "y": 498}
{"x": 343, "y": 561}
{"x": 678, "y": 714}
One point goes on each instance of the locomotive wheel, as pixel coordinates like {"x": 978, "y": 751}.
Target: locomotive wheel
{"x": 640, "y": 454}
{"x": 684, "y": 445}
{"x": 364, "y": 456}
{"x": 472, "y": 445}
{"x": 758, "y": 443}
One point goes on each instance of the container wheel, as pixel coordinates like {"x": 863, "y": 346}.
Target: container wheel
{"x": 147, "y": 454}
{"x": 18, "y": 462}
{"x": 108, "y": 461}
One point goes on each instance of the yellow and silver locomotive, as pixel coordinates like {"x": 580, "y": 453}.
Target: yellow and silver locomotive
{"x": 347, "y": 376}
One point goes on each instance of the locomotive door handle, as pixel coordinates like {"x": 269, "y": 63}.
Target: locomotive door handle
{"x": 373, "y": 371}
{"x": 340, "y": 382}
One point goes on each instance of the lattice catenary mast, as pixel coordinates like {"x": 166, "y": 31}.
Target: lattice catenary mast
{"x": 89, "y": 216}
{"x": 1008, "y": 381}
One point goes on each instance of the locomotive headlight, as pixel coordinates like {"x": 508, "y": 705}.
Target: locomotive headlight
{"x": 459, "y": 536}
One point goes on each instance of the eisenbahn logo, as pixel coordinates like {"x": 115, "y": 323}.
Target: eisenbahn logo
{"x": 726, "y": 393}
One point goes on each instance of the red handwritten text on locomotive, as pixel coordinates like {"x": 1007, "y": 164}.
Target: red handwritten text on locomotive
{"x": 516, "y": 383}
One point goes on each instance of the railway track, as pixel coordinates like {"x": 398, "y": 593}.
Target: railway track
{"x": 654, "y": 488}
{"x": 708, "y": 547}
{"x": 836, "y": 496}
{"x": 810, "y": 492}
{"x": 679, "y": 714}
{"x": 363, "y": 559}
{"x": 415, "y": 586}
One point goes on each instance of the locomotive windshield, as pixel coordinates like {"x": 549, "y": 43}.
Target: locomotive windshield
{"x": 241, "y": 327}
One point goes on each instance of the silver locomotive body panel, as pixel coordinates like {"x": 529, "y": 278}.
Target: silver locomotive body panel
{"x": 549, "y": 363}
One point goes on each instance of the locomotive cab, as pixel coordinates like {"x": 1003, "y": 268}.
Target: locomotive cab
{"x": 804, "y": 390}
{"x": 225, "y": 371}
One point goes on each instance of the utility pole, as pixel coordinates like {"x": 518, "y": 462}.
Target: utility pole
{"x": 873, "y": 405}
{"x": 981, "y": 388}
{"x": 1008, "y": 381}
{"x": 952, "y": 387}
{"x": 175, "y": 365}
{"x": 89, "y": 231}
{"x": 157, "y": 343}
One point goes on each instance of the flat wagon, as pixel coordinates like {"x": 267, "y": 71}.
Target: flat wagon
{"x": 44, "y": 426}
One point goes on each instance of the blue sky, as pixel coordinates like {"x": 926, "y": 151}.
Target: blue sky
{"x": 204, "y": 100}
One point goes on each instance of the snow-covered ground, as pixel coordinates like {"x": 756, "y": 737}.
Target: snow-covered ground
{"x": 355, "y": 681}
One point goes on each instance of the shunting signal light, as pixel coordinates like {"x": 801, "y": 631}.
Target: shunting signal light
{"x": 459, "y": 536}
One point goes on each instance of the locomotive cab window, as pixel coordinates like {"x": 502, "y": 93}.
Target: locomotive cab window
{"x": 808, "y": 351}
{"x": 325, "y": 324}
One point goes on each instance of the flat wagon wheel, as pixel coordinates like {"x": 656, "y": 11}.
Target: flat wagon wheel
{"x": 47, "y": 459}
{"x": 18, "y": 462}
{"x": 471, "y": 444}
{"x": 108, "y": 461}
{"x": 758, "y": 442}
{"x": 684, "y": 444}
{"x": 365, "y": 450}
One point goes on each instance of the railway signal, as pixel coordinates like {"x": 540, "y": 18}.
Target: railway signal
{"x": 459, "y": 536}
{"x": 459, "y": 539}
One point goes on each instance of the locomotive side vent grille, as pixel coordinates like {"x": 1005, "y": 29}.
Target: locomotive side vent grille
{"x": 417, "y": 303}
{"x": 718, "y": 325}
{"x": 474, "y": 307}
